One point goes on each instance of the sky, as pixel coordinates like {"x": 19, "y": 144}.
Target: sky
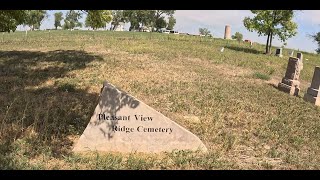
{"x": 189, "y": 21}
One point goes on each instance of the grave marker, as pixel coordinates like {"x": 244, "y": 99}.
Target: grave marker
{"x": 290, "y": 83}
{"x": 122, "y": 123}
{"x": 313, "y": 94}
{"x": 279, "y": 52}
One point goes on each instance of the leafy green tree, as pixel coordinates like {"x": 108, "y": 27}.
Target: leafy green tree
{"x": 72, "y": 19}
{"x": 10, "y": 19}
{"x": 138, "y": 18}
{"x": 118, "y": 16}
{"x": 58, "y": 17}
{"x": 204, "y": 31}
{"x": 160, "y": 23}
{"x": 151, "y": 18}
{"x": 316, "y": 38}
{"x": 171, "y": 23}
{"x": 34, "y": 18}
{"x": 98, "y": 18}
{"x": 158, "y": 18}
{"x": 238, "y": 36}
{"x": 272, "y": 23}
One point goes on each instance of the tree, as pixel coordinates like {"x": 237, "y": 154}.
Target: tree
{"x": 117, "y": 17}
{"x": 204, "y": 31}
{"x": 171, "y": 23}
{"x": 139, "y": 18}
{"x": 57, "y": 19}
{"x": 160, "y": 23}
{"x": 10, "y": 19}
{"x": 98, "y": 18}
{"x": 316, "y": 38}
{"x": 151, "y": 18}
{"x": 158, "y": 19}
{"x": 72, "y": 20}
{"x": 272, "y": 23}
{"x": 238, "y": 36}
{"x": 34, "y": 18}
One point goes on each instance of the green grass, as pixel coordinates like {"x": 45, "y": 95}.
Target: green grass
{"x": 50, "y": 85}
{"x": 261, "y": 76}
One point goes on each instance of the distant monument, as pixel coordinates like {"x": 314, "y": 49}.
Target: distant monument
{"x": 122, "y": 123}
{"x": 227, "y": 32}
{"x": 290, "y": 83}
{"x": 313, "y": 94}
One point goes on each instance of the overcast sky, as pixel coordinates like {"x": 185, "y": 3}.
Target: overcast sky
{"x": 190, "y": 21}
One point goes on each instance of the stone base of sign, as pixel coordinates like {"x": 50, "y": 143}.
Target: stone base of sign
{"x": 122, "y": 123}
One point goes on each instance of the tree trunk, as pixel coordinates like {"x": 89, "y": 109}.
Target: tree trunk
{"x": 270, "y": 44}
{"x": 115, "y": 25}
{"x": 267, "y": 45}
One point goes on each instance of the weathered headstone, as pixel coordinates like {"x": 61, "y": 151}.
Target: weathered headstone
{"x": 313, "y": 94}
{"x": 290, "y": 83}
{"x": 300, "y": 57}
{"x": 279, "y": 52}
{"x": 121, "y": 123}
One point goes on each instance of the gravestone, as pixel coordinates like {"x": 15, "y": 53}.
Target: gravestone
{"x": 313, "y": 94}
{"x": 279, "y": 52}
{"x": 290, "y": 83}
{"x": 300, "y": 57}
{"x": 122, "y": 123}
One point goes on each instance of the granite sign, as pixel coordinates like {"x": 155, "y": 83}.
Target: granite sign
{"x": 121, "y": 123}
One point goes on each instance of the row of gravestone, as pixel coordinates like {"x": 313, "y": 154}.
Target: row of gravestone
{"x": 290, "y": 82}
{"x": 279, "y": 52}
{"x": 122, "y": 123}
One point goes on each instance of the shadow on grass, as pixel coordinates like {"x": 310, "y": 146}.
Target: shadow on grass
{"x": 36, "y": 116}
{"x": 244, "y": 49}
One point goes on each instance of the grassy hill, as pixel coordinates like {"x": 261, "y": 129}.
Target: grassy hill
{"x": 50, "y": 83}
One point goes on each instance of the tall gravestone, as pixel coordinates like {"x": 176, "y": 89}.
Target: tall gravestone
{"x": 122, "y": 123}
{"x": 313, "y": 94}
{"x": 290, "y": 83}
{"x": 300, "y": 57}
